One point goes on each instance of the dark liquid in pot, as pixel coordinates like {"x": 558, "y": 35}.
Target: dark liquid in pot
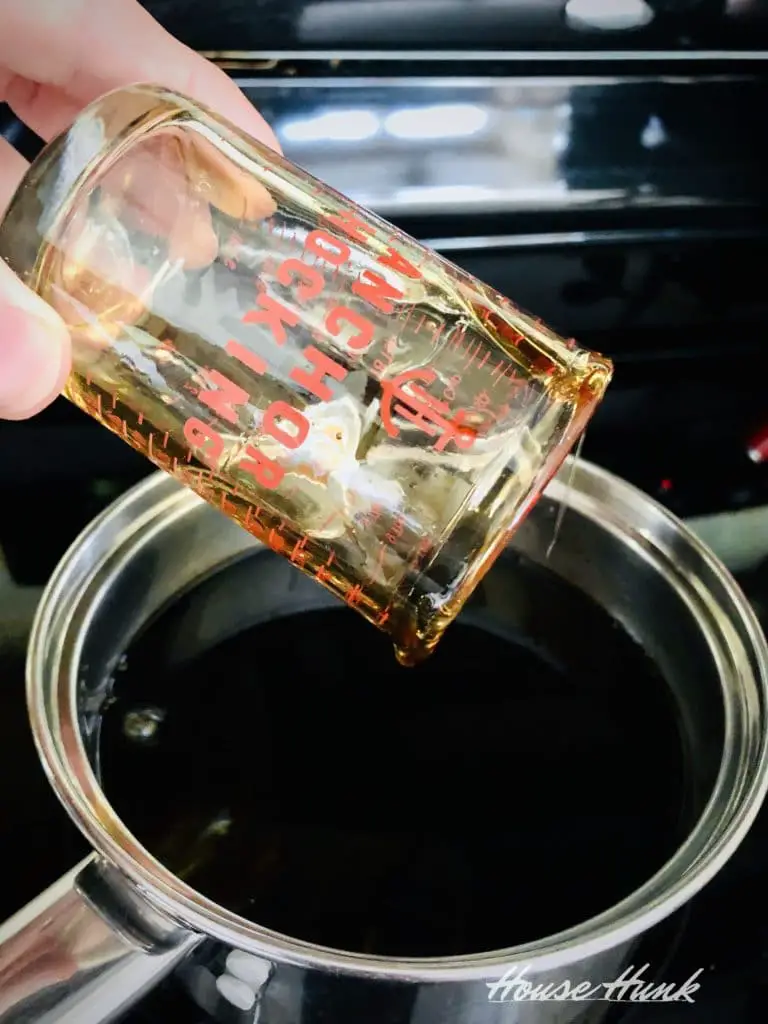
{"x": 525, "y": 778}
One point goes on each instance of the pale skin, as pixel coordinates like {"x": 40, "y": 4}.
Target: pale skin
{"x": 56, "y": 56}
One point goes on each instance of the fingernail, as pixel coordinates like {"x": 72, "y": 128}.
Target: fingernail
{"x": 34, "y": 350}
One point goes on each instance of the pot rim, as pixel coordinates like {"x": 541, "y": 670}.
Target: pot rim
{"x": 63, "y": 617}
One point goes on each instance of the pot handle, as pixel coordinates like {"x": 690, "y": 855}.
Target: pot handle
{"x": 85, "y": 949}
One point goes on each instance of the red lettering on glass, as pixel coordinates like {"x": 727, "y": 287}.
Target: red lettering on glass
{"x": 204, "y": 440}
{"x": 397, "y": 262}
{"x": 340, "y": 315}
{"x": 274, "y": 314}
{"x": 312, "y": 280}
{"x": 327, "y": 248}
{"x": 376, "y": 290}
{"x": 351, "y": 225}
{"x": 405, "y": 396}
{"x": 263, "y": 470}
{"x": 224, "y": 397}
{"x": 246, "y": 357}
{"x": 323, "y": 366}
{"x": 283, "y": 411}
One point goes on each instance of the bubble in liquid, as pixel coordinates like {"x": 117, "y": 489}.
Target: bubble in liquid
{"x": 141, "y": 724}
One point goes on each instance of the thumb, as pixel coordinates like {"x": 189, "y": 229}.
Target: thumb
{"x": 34, "y": 350}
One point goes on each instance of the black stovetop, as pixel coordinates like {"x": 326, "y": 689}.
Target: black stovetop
{"x": 652, "y": 253}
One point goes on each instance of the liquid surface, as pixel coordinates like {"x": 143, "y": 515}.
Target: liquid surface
{"x": 518, "y": 782}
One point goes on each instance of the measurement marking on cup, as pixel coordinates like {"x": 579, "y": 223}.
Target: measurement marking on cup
{"x": 328, "y": 521}
{"x": 224, "y": 396}
{"x": 252, "y": 516}
{"x": 473, "y": 353}
{"x": 498, "y": 373}
{"x": 322, "y": 573}
{"x": 276, "y": 539}
{"x": 396, "y": 530}
{"x": 298, "y": 557}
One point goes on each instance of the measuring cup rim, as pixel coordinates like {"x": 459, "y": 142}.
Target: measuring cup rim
{"x": 82, "y": 580}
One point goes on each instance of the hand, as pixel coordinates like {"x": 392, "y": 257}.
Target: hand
{"x": 56, "y": 56}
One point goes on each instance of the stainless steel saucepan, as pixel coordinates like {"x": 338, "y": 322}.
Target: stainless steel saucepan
{"x": 119, "y": 922}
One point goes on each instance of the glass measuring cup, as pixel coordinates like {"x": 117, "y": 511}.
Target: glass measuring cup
{"x": 356, "y": 402}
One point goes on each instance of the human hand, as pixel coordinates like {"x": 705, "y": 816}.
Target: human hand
{"x": 56, "y": 56}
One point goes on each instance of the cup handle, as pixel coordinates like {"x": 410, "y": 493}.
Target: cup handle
{"x": 85, "y": 949}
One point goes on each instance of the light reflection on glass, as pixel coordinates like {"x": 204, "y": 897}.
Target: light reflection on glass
{"x": 608, "y": 15}
{"x": 654, "y": 134}
{"x": 429, "y": 146}
{"x": 438, "y": 122}
{"x": 482, "y": 147}
{"x": 333, "y": 126}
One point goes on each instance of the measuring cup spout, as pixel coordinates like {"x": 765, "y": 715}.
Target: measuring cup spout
{"x": 84, "y": 950}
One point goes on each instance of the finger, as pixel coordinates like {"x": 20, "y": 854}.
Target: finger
{"x": 232, "y": 190}
{"x": 78, "y": 49}
{"x": 12, "y": 168}
{"x": 34, "y": 350}
{"x": 43, "y": 108}
{"x": 93, "y": 280}
{"x": 165, "y": 186}
{"x": 159, "y": 172}
{"x": 149, "y": 190}
{"x": 34, "y": 343}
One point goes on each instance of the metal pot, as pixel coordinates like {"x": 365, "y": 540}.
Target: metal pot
{"x": 121, "y": 921}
